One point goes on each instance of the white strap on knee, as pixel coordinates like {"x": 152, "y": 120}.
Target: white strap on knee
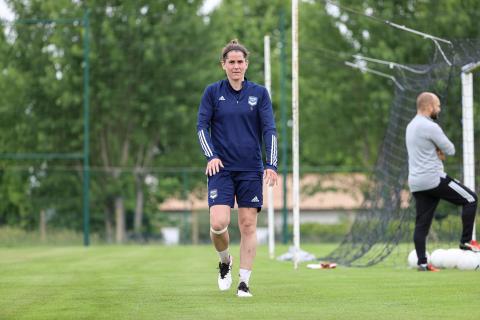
{"x": 219, "y": 232}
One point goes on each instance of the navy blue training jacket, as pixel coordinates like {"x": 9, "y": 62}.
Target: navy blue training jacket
{"x": 231, "y": 125}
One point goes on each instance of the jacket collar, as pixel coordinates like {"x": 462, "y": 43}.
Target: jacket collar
{"x": 233, "y": 91}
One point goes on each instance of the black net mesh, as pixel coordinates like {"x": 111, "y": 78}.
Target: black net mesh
{"x": 388, "y": 213}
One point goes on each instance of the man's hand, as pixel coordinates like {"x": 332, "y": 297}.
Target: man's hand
{"x": 440, "y": 154}
{"x": 270, "y": 177}
{"x": 213, "y": 167}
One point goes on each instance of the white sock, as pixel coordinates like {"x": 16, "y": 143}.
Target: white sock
{"x": 245, "y": 275}
{"x": 224, "y": 256}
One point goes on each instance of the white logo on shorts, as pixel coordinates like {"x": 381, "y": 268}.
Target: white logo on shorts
{"x": 213, "y": 193}
{"x": 255, "y": 199}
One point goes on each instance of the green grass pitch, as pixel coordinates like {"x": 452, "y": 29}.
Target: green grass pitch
{"x": 157, "y": 282}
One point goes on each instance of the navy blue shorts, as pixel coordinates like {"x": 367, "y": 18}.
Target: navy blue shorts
{"x": 244, "y": 186}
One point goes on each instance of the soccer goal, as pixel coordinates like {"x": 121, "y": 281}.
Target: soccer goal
{"x": 386, "y": 225}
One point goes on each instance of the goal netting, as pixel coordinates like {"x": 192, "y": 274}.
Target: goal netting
{"x": 387, "y": 216}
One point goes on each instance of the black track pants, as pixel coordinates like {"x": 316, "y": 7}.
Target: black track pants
{"x": 426, "y": 202}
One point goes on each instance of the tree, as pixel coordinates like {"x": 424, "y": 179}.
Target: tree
{"x": 146, "y": 62}
{"x": 41, "y": 113}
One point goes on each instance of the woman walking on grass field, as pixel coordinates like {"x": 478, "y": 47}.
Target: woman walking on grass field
{"x": 234, "y": 117}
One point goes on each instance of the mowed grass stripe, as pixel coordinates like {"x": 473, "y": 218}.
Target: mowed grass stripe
{"x": 157, "y": 282}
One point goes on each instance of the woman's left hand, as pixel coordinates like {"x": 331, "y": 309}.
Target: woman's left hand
{"x": 270, "y": 177}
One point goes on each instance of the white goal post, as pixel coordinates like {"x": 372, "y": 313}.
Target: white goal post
{"x": 295, "y": 137}
{"x": 467, "y": 123}
{"x": 271, "y": 212}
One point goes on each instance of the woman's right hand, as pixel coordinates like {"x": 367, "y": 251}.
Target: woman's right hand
{"x": 213, "y": 166}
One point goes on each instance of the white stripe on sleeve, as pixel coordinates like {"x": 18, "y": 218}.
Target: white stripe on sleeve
{"x": 273, "y": 151}
{"x": 206, "y": 144}
{"x": 202, "y": 142}
{"x": 276, "y": 152}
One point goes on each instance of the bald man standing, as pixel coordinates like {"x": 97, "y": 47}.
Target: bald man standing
{"x": 427, "y": 146}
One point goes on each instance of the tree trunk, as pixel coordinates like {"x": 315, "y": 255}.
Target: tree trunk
{"x": 137, "y": 224}
{"x": 108, "y": 225}
{"x": 366, "y": 152}
{"x": 195, "y": 227}
{"x": 119, "y": 220}
{"x": 43, "y": 225}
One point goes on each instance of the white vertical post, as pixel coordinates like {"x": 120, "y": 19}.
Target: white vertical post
{"x": 295, "y": 135}
{"x": 271, "y": 212}
{"x": 468, "y": 140}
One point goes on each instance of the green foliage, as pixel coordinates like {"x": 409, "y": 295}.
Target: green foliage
{"x": 13, "y": 207}
{"x": 149, "y": 63}
{"x": 17, "y": 237}
{"x": 321, "y": 233}
{"x": 142, "y": 62}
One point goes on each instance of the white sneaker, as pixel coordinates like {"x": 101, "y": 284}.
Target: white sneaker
{"x": 225, "y": 275}
{"x": 243, "y": 291}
